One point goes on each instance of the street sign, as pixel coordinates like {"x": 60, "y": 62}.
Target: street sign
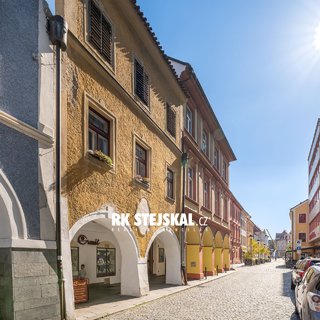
{"x": 298, "y": 252}
{"x": 298, "y": 248}
{"x": 298, "y": 243}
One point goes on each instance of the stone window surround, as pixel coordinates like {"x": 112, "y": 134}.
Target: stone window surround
{"x": 86, "y": 36}
{"x": 168, "y": 166}
{"x": 136, "y": 139}
{"x": 91, "y": 103}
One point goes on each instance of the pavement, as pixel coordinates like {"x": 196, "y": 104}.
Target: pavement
{"x": 250, "y": 293}
{"x": 113, "y": 303}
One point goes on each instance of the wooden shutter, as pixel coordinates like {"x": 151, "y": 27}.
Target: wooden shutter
{"x": 100, "y": 35}
{"x": 95, "y": 25}
{"x": 171, "y": 121}
{"x": 106, "y": 40}
{"x": 141, "y": 83}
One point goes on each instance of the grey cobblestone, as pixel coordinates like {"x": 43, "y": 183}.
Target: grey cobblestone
{"x": 252, "y": 293}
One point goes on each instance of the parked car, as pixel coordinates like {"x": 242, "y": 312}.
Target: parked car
{"x": 307, "y": 294}
{"x": 300, "y": 268}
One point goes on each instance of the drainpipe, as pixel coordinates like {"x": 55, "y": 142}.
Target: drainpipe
{"x": 184, "y": 160}
{"x": 57, "y": 29}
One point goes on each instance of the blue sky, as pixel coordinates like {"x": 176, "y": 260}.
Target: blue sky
{"x": 261, "y": 72}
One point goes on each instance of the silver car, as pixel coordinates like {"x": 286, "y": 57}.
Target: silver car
{"x": 307, "y": 294}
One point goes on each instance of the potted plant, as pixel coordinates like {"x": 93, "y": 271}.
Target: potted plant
{"x": 98, "y": 154}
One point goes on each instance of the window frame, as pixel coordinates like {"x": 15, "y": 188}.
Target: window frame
{"x": 305, "y": 218}
{"x": 169, "y": 169}
{"x": 224, "y": 170}
{"x": 191, "y": 121}
{"x": 206, "y": 193}
{"x": 102, "y": 111}
{"x": 106, "y": 274}
{"x": 141, "y": 160}
{"x": 99, "y": 132}
{"x": 136, "y": 139}
{"x": 192, "y": 180}
{"x": 216, "y": 160}
{"x": 217, "y": 204}
{"x": 206, "y": 149}
{"x": 305, "y": 236}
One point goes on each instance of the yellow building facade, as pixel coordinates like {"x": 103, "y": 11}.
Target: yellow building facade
{"x": 122, "y": 128}
{"x": 299, "y": 229}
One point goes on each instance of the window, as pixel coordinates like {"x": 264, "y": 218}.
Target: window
{"x": 225, "y": 209}
{"x": 216, "y": 158}
{"x": 206, "y": 194}
{"x": 106, "y": 262}
{"x": 204, "y": 144}
{"x": 75, "y": 261}
{"x": 171, "y": 121}
{"x": 224, "y": 170}
{"x": 302, "y": 218}
{"x": 190, "y": 182}
{"x": 100, "y": 32}
{"x": 302, "y": 237}
{"x": 99, "y": 133}
{"x": 141, "y": 161}
{"x": 189, "y": 121}
{"x": 170, "y": 178}
{"x": 141, "y": 85}
{"x": 217, "y": 203}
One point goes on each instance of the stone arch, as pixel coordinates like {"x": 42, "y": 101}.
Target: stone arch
{"x": 226, "y": 242}
{"x": 207, "y": 250}
{"x": 193, "y": 235}
{"x": 226, "y": 252}
{"x": 207, "y": 237}
{"x": 218, "y": 240}
{"x": 13, "y": 224}
{"x": 194, "y": 253}
{"x": 172, "y": 253}
{"x": 218, "y": 251}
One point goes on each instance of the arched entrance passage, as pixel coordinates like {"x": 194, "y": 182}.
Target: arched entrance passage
{"x": 163, "y": 254}
{"x": 226, "y": 252}
{"x": 194, "y": 253}
{"x": 218, "y": 258}
{"x": 207, "y": 251}
{"x": 13, "y": 224}
{"x": 115, "y": 259}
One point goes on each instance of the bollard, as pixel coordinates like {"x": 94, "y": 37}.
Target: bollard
{"x": 205, "y": 272}
{"x": 217, "y": 269}
{"x": 225, "y": 268}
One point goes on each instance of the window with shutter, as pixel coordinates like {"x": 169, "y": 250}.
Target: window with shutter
{"x": 141, "y": 87}
{"x": 100, "y": 33}
{"x": 171, "y": 121}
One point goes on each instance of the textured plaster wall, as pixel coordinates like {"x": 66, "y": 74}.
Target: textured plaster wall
{"x": 19, "y": 41}
{"x": 88, "y": 184}
{"x": 19, "y": 161}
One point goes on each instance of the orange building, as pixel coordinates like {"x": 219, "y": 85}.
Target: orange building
{"x": 207, "y": 180}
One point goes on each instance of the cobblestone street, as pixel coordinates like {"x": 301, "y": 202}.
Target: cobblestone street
{"x": 259, "y": 292}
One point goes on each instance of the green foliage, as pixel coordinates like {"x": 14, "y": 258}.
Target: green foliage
{"x": 103, "y": 157}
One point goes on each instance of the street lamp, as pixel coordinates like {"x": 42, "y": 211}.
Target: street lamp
{"x": 258, "y": 251}
{"x": 184, "y": 161}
